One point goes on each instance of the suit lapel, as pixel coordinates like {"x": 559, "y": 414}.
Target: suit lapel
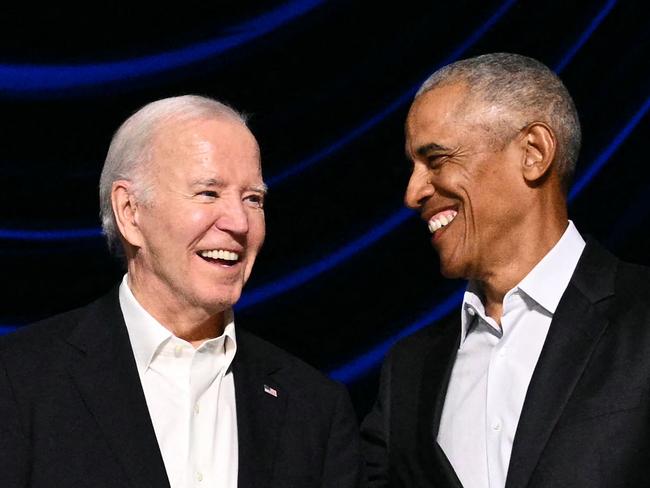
{"x": 577, "y": 325}
{"x": 104, "y": 370}
{"x": 437, "y": 369}
{"x": 261, "y": 405}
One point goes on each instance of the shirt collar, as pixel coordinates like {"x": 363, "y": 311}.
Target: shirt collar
{"x": 544, "y": 284}
{"x": 547, "y": 281}
{"x": 147, "y": 335}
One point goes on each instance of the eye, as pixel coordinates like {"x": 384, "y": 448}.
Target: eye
{"x": 436, "y": 161}
{"x": 208, "y": 194}
{"x": 255, "y": 200}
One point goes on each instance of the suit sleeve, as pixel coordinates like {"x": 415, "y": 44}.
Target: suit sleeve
{"x": 343, "y": 463}
{"x": 13, "y": 442}
{"x": 375, "y": 434}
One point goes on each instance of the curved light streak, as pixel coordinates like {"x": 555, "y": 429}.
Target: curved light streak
{"x": 593, "y": 25}
{"x": 356, "y": 368}
{"x": 5, "y": 329}
{"x": 585, "y": 178}
{"x": 306, "y": 273}
{"x": 409, "y": 94}
{"x": 369, "y": 360}
{"x": 393, "y": 106}
{"x": 339, "y": 255}
{"x": 397, "y": 218}
{"x": 26, "y": 79}
{"x": 50, "y": 235}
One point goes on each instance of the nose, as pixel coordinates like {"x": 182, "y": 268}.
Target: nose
{"x": 419, "y": 188}
{"x": 233, "y": 217}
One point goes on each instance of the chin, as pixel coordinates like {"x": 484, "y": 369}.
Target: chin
{"x": 219, "y": 300}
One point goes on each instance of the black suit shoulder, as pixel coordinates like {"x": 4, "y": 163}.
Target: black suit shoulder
{"x": 632, "y": 285}
{"x": 38, "y": 402}
{"x": 35, "y": 351}
{"x": 619, "y": 290}
{"x": 39, "y": 335}
{"x": 42, "y": 335}
{"x": 319, "y": 442}
{"x": 295, "y": 373}
{"x": 413, "y": 348}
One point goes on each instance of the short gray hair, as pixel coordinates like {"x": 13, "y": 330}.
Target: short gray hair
{"x": 130, "y": 149}
{"x": 528, "y": 90}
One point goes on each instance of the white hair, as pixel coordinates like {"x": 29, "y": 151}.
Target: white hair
{"x": 130, "y": 148}
{"x": 527, "y": 90}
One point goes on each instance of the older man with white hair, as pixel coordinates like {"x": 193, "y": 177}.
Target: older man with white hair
{"x": 153, "y": 385}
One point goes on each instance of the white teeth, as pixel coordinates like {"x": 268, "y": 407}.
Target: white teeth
{"x": 220, "y": 254}
{"x": 440, "y": 220}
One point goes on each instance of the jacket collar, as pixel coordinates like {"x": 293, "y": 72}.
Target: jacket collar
{"x": 261, "y": 405}
{"x": 103, "y": 367}
{"x": 579, "y": 322}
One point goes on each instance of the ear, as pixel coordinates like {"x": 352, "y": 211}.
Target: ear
{"x": 540, "y": 146}
{"x": 125, "y": 209}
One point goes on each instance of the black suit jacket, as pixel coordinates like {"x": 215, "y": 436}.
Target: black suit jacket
{"x": 73, "y": 412}
{"x": 585, "y": 420}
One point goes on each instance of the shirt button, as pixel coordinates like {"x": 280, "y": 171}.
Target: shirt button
{"x": 496, "y": 425}
{"x": 199, "y": 476}
{"x": 471, "y": 311}
{"x": 196, "y": 408}
{"x": 178, "y": 351}
{"x": 502, "y": 353}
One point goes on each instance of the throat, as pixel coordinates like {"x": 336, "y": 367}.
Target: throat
{"x": 492, "y": 301}
{"x": 494, "y": 311}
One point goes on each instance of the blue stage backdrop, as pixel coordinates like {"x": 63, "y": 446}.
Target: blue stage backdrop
{"x": 346, "y": 270}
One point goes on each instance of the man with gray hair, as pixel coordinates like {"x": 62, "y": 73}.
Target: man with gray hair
{"x": 152, "y": 385}
{"x": 541, "y": 379}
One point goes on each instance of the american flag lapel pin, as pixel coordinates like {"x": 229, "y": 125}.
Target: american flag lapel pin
{"x": 270, "y": 391}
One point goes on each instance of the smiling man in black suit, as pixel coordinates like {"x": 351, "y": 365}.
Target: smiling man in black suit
{"x": 541, "y": 379}
{"x": 151, "y": 385}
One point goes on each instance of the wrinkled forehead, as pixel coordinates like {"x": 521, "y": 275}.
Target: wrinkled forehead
{"x": 206, "y": 149}
{"x": 223, "y": 134}
{"x": 184, "y": 127}
{"x": 439, "y": 111}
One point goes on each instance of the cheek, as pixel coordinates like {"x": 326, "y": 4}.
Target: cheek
{"x": 196, "y": 216}
{"x": 455, "y": 179}
{"x": 257, "y": 232}
{"x": 194, "y": 223}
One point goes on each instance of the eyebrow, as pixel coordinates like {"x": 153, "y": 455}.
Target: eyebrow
{"x": 216, "y": 182}
{"x": 431, "y": 147}
{"x": 263, "y": 188}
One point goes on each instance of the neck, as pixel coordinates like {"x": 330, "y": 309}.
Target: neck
{"x": 190, "y": 323}
{"x": 523, "y": 252}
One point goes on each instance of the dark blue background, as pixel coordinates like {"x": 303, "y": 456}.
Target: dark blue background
{"x": 345, "y": 270}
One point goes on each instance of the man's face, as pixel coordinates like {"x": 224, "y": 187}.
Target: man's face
{"x": 204, "y": 224}
{"x": 464, "y": 184}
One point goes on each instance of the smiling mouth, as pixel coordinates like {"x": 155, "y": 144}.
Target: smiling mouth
{"x": 220, "y": 256}
{"x": 441, "y": 219}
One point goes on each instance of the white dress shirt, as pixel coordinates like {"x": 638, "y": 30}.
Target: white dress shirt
{"x": 494, "y": 366}
{"x": 190, "y": 394}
